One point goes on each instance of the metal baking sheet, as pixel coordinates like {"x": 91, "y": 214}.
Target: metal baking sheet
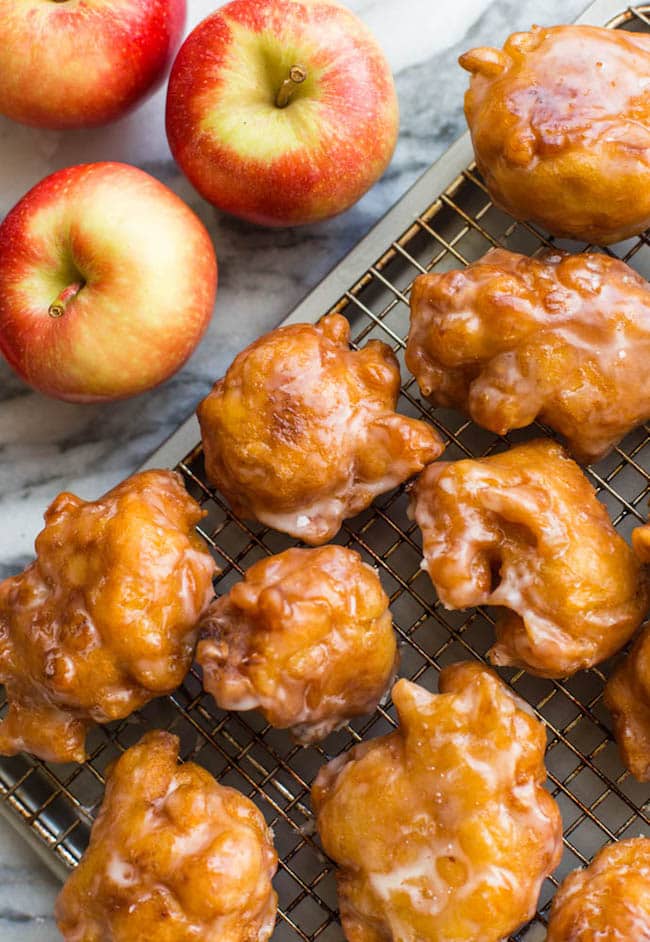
{"x": 445, "y": 221}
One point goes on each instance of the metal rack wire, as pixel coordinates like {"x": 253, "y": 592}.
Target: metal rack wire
{"x": 600, "y": 802}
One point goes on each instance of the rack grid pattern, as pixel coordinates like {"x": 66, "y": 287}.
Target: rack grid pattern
{"x": 599, "y": 800}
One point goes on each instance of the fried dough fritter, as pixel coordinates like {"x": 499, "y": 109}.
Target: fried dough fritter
{"x": 173, "y": 857}
{"x": 442, "y": 829}
{"x": 302, "y": 433}
{"x": 627, "y": 697}
{"x": 105, "y": 619}
{"x": 560, "y": 338}
{"x": 524, "y": 531}
{"x": 306, "y": 637}
{"x": 627, "y": 694}
{"x": 560, "y": 122}
{"x": 607, "y": 902}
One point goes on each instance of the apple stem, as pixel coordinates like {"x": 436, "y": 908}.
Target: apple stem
{"x": 297, "y": 75}
{"x": 60, "y": 304}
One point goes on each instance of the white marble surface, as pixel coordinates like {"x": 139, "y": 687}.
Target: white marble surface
{"x": 46, "y": 446}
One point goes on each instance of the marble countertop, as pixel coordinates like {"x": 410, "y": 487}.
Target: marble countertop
{"x": 47, "y": 446}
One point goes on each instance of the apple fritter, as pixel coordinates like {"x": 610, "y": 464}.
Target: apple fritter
{"x": 627, "y": 696}
{"x": 442, "y": 829}
{"x": 607, "y": 902}
{"x": 302, "y": 433}
{"x": 560, "y": 338}
{"x": 524, "y": 531}
{"x": 306, "y": 637}
{"x": 560, "y": 122}
{"x": 105, "y": 619}
{"x": 173, "y": 857}
{"x": 641, "y": 542}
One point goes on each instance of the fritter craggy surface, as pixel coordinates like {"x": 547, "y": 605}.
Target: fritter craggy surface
{"x": 524, "y": 531}
{"x": 306, "y": 637}
{"x": 173, "y": 857}
{"x": 302, "y": 433}
{"x": 607, "y": 902}
{"x": 105, "y": 619}
{"x": 560, "y": 122}
{"x": 442, "y": 830}
{"x": 563, "y": 338}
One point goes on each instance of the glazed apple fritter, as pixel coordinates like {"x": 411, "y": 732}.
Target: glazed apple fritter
{"x": 524, "y": 531}
{"x": 442, "y": 829}
{"x": 105, "y": 619}
{"x": 560, "y": 121}
{"x": 306, "y": 637}
{"x": 302, "y": 433}
{"x": 607, "y": 902}
{"x": 560, "y": 338}
{"x": 627, "y": 696}
{"x": 173, "y": 857}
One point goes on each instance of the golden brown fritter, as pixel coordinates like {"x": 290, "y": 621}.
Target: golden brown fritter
{"x": 627, "y": 696}
{"x": 173, "y": 857}
{"x": 302, "y": 433}
{"x": 105, "y": 619}
{"x": 560, "y": 122}
{"x": 641, "y": 542}
{"x": 524, "y": 531}
{"x": 563, "y": 338}
{"x": 607, "y": 902}
{"x": 307, "y": 638}
{"x": 442, "y": 829}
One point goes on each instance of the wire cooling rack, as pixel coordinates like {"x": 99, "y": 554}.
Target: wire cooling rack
{"x": 437, "y": 226}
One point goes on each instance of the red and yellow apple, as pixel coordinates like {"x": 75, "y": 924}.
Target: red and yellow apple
{"x": 107, "y": 283}
{"x": 79, "y": 63}
{"x": 282, "y": 112}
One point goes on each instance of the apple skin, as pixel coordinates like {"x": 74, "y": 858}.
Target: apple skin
{"x": 149, "y": 276}
{"x": 81, "y": 63}
{"x": 282, "y": 166}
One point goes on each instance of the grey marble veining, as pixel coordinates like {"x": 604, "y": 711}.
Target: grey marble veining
{"x": 47, "y": 446}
